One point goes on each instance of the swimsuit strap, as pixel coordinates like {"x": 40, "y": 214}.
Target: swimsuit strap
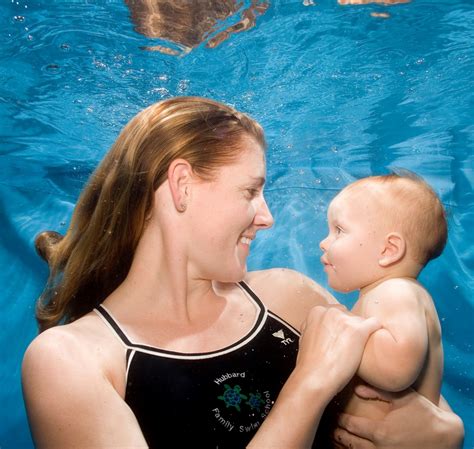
{"x": 113, "y": 325}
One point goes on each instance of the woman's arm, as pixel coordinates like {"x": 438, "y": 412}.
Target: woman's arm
{"x": 70, "y": 402}
{"x": 414, "y": 422}
{"x": 330, "y": 335}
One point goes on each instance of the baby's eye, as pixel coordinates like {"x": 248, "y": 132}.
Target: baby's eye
{"x": 338, "y": 230}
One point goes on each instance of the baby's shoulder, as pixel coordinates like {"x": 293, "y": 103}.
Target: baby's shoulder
{"x": 400, "y": 288}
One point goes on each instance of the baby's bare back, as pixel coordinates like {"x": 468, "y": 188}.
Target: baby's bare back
{"x": 428, "y": 381}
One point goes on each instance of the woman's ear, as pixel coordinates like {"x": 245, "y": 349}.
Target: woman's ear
{"x": 180, "y": 174}
{"x": 394, "y": 249}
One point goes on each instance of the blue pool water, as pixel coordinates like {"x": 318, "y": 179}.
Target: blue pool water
{"x": 342, "y": 94}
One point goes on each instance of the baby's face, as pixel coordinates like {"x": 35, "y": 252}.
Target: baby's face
{"x": 355, "y": 242}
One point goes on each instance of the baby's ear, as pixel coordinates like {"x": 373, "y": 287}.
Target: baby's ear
{"x": 394, "y": 249}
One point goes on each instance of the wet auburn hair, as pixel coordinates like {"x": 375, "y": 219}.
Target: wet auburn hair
{"x": 413, "y": 207}
{"x": 96, "y": 253}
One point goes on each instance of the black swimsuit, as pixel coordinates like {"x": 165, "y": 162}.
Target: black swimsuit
{"x": 215, "y": 399}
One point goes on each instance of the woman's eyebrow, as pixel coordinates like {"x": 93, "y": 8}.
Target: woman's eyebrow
{"x": 258, "y": 181}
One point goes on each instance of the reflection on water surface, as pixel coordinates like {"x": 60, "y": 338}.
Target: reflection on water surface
{"x": 189, "y": 23}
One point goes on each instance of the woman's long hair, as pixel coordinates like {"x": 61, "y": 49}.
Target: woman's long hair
{"x": 95, "y": 255}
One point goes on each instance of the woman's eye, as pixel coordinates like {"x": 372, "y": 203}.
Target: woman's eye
{"x": 252, "y": 193}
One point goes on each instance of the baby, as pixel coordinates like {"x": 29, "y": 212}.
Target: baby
{"x": 382, "y": 231}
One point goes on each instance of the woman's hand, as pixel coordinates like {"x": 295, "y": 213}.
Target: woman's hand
{"x": 413, "y": 423}
{"x": 331, "y": 345}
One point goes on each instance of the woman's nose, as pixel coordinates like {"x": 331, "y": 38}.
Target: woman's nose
{"x": 264, "y": 218}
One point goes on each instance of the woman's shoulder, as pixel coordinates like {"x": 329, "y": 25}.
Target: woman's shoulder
{"x": 83, "y": 346}
{"x": 288, "y": 293}
{"x": 71, "y": 375}
{"x": 73, "y": 336}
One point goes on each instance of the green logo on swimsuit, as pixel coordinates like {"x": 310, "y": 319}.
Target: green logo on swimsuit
{"x": 232, "y": 396}
{"x": 255, "y": 401}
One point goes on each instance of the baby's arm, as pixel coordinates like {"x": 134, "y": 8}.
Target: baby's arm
{"x": 395, "y": 354}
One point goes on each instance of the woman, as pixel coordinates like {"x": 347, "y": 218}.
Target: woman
{"x": 168, "y": 341}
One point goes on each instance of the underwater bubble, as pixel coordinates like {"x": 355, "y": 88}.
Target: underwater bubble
{"x": 163, "y": 92}
{"x": 183, "y": 86}
{"x": 19, "y": 19}
{"x": 380, "y": 15}
{"x": 65, "y": 47}
{"x": 101, "y": 65}
{"x": 52, "y": 68}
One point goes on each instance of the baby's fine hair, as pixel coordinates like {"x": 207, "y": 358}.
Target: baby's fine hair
{"x": 415, "y": 206}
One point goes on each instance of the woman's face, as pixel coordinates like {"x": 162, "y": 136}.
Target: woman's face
{"x": 225, "y": 214}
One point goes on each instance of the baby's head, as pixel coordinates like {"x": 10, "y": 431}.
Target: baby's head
{"x": 382, "y": 226}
